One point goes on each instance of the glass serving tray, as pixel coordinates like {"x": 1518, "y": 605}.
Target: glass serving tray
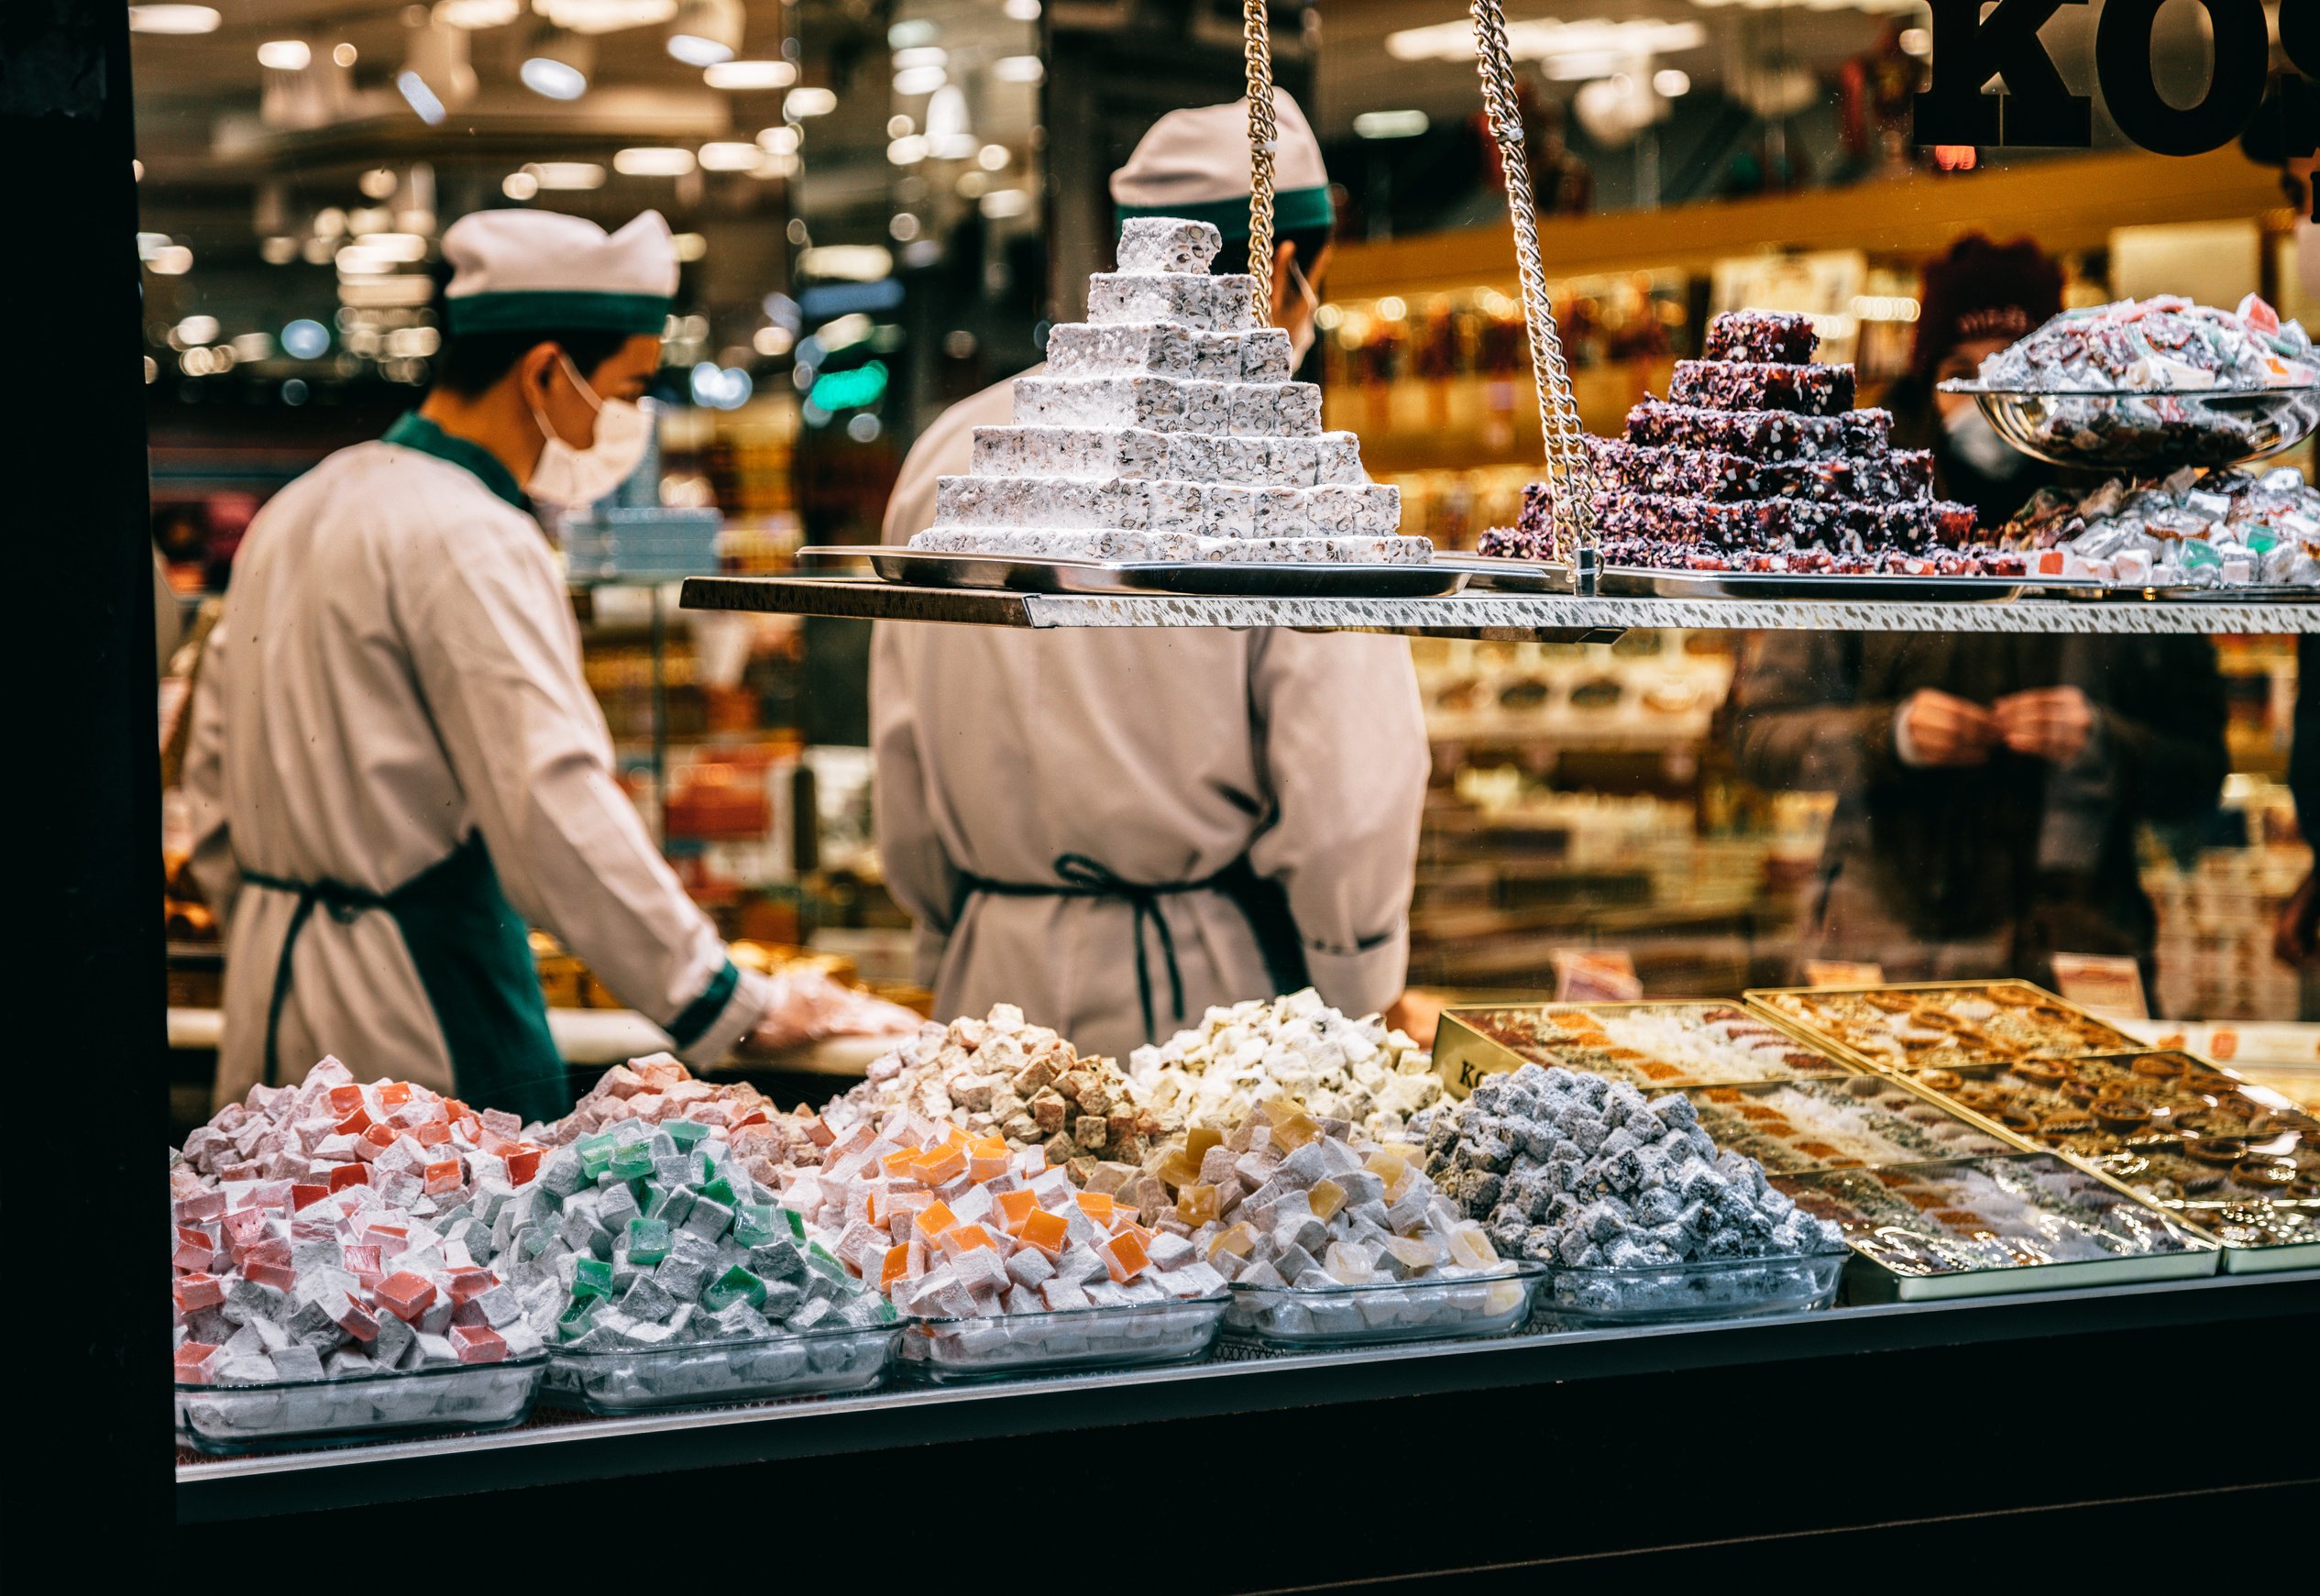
{"x": 1723, "y": 1288}
{"x": 1848, "y": 1122}
{"x": 1505, "y": 573}
{"x": 1990, "y": 1225}
{"x": 285, "y": 1414}
{"x": 1402, "y": 1310}
{"x": 1656, "y": 1046}
{"x": 2152, "y": 431}
{"x": 637, "y": 1380}
{"x": 1219, "y": 578}
{"x": 1008, "y": 1345}
{"x": 1943, "y": 1023}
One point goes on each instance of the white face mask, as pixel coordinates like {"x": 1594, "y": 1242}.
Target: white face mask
{"x": 1980, "y": 445}
{"x": 571, "y": 477}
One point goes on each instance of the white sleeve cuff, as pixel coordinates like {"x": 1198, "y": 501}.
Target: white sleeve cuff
{"x": 752, "y": 995}
{"x": 1363, "y": 983}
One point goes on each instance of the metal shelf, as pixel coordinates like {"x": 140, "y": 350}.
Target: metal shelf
{"x": 556, "y": 1449}
{"x": 1545, "y": 617}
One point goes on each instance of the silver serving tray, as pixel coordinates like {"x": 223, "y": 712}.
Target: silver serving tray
{"x": 1631, "y": 582}
{"x": 2182, "y": 593}
{"x": 1254, "y": 580}
{"x": 1505, "y": 575}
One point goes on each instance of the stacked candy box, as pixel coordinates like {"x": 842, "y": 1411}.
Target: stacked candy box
{"x": 1628, "y": 1200}
{"x": 1978, "y": 1227}
{"x": 1217, "y": 1075}
{"x": 664, "y": 1275}
{"x": 1658, "y": 1045}
{"x": 1945, "y": 1024}
{"x": 1329, "y": 1237}
{"x": 1006, "y": 1265}
{"x": 329, "y": 1244}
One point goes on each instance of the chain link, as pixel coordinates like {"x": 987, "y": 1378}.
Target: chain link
{"x": 1263, "y": 133}
{"x": 1570, "y": 469}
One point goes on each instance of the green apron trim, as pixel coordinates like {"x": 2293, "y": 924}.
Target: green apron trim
{"x": 413, "y": 431}
{"x": 473, "y": 960}
{"x": 701, "y": 1013}
{"x": 1294, "y": 211}
{"x": 567, "y": 309}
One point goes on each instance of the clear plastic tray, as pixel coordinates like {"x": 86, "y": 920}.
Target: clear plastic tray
{"x": 300, "y": 1414}
{"x": 1400, "y": 1310}
{"x": 1723, "y": 1288}
{"x": 851, "y": 1358}
{"x": 1008, "y": 1345}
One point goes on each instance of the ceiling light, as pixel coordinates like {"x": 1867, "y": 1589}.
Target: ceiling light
{"x": 196, "y": 330}
{"x": 1022, "y": 10}
{"x": 377, "y": 183}
{"x": 654, "y": 160}
{"x": 993, "y": 158}
{"x": 724, "y": 156}
{"x": 775, "y": 163}
{"x": 1018, "y": 69}
{"x": 706, "y": 32}
{"x": 344, "y": 54}
{"x": 478, "y": 14}
{"x": 1916, "y": 41}
{"x": 1672, "y": 81}
{"x": 853, "y": 262}
{"x": 1391, "y": 124}
{"x": 925, "y": 55}
{"x": 558, "y": 63}
{"x": 1548, "y": 40}
{"x": 425, "y": 103}
{"x": 172, "y": 20}
{"x": 361, "y": 261}
{"x": 773, "y": 342}
{"x": 810, "y": 103}
{"x": 688, "y": 245}
{"x": 519, "y": 185}
{"x": 947, "y": 136}
{"x": 1001, "y": 204}
{"x": 285, "y": 55}
{"x": 780, "y": 140}
{"x": 912, "y": 82}
{"x": 565, "y": 176}
{"x": 280, "y": 249}
{"x": 750, "y": 75}
{"x": 915, "y": 34}
{"x": 908, "y": 151}
{"x": 404, "y": 247}
{"x": 167, "y": 260}
{"x": 605, "y": 16}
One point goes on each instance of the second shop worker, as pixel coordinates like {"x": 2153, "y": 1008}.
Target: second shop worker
{"x": 396, "y": 762}
{"x": 1116, "y": 828}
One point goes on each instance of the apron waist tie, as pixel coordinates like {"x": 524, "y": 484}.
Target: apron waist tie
{"x": 1085, "y": 878}
{"x": 345, "y": 905}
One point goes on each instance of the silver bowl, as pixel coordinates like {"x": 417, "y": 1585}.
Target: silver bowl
{"x": 2152, "y": 432}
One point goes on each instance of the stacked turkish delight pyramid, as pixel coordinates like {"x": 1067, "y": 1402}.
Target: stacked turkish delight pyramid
{"x": 1757, "y": 461}
{"x": 1166, "y": 427}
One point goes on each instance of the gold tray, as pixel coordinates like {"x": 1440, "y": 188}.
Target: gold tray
{"x": 1463, "y": 1053}
{"x": 1761, "y": 1000}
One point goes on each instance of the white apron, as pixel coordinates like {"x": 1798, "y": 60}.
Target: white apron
{"x": 1011, "y": 764}
{"x": 395, "y": 763}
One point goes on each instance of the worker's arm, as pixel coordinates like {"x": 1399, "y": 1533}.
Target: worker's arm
{"x": 490, "y": 641}
{"x": 1344, "y": 747}
{"x": 1796, "y": 723}
{"x": 212, "y": 862}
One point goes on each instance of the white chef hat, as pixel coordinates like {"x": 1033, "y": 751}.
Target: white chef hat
{"x": 1195, "y": 164}
{"x": 539, "y": 271}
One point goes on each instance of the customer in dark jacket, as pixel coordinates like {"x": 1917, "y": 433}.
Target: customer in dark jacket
{"x": 1989, "y": 786}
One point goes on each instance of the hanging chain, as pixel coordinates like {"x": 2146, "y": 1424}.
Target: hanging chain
{"x": 1263, "y": 133}
{"x": 1570, "y": 469}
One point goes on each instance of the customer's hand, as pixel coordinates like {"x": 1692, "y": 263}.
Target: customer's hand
{"x": 2050, "y": 723}
{"x": 808, "y": 1006}
{"x": 1416, "y": 1015}
{"x": 1936, "y": 730}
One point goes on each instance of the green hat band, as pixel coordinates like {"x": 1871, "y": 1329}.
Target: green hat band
{"x": 1294, "y": 211}
{"x": 558, "y": 311}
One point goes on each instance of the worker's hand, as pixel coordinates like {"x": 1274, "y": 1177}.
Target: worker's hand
{"x": 808, "y": 1006}
{"x": 1416, "y": 1015}
{"x": 2293, "y": 934}
{"x": 2050, "y": 723}
{"x": 1935, "y": 730}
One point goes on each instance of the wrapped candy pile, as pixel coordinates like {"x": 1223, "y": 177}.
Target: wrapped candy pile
{"x": 1356, "y": 1070}
{"x": 660, "y": 1090}
{"x": 331, "y": 1230}
{"x": 1570, "y": 1169}
{"x": 953, "y": 1226}
{"x": 2226, "y": 528}
{"x": 1002, "y": 1076}
{"x": 2161, "y": 345}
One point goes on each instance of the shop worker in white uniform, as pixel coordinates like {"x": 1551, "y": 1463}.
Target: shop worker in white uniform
{"x": 395, "y": 761}
{"x": 1116, "y": 828}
